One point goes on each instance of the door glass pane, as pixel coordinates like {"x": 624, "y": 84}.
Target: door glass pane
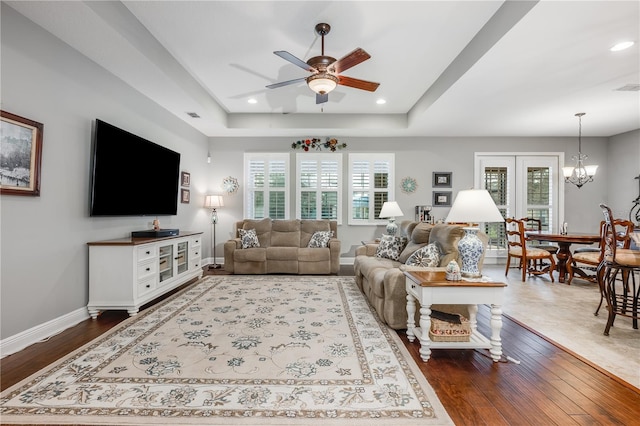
{"x": 495, "y": 180}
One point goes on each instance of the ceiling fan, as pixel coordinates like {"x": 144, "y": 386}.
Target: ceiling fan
{"x": 326, "y": 70}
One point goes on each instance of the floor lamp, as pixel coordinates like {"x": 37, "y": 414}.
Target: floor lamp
{"x": 213, "y": 202}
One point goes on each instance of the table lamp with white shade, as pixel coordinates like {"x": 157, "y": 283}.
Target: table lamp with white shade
{"x": 391, "y": 209}
{"x": 213, "y": 202}
{"x": 473, "y": 206}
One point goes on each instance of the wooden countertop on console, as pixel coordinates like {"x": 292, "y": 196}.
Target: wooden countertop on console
{"x": 136, "y": 241}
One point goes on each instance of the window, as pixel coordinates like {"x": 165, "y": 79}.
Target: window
{"x": 371, "y": 183}
{"x": 318, "y": 186}
{"x": 267, "y": 188}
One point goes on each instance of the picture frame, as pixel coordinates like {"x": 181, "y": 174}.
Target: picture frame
{"x": 185, "y": 179}
{"x": 185, "y": 196}
{"x": 442, "y": 179}
{"x": 21, "y": 141}
{"x": 442, "y": 198}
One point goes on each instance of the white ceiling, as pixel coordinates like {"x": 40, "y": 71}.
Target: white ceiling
{"x": 445, "y": 68}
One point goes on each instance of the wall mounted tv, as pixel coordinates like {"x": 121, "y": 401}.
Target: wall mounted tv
{"x": 131, "y": 176}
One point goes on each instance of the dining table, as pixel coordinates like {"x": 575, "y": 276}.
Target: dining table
{"x": 564, "y": 242}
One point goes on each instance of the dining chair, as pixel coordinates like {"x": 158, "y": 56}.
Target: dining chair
{"x": 533, "y": 224}
{"x": 585, "y": 260}
{"x": 616, "y": 274}
{"x": 517, "y": 248}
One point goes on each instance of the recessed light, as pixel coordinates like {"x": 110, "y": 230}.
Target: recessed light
{"x": 252, "y": 101}
{"x": 621, "y": 46}
{"x": 381, "y": 101}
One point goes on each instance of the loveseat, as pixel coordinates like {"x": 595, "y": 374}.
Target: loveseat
{"x": 382, "y": 279}
{"x": 283, "y": 247}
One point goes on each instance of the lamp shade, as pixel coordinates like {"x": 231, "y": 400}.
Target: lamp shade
{"x": 322, "y": 83}
{"x": 390, "y": 209}
{"x": 473, "y": 206}
{"x": 213, "y": 201}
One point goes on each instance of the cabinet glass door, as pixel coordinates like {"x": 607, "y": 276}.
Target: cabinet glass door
{"x": 166, "y": 262}
{"x": 182, "y": 257}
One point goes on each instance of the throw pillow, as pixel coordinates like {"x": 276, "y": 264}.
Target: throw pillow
{"x": 248, "y": 238}
{"x": 427, "y": 256}
{"x": 320, "y": 239}
{"x": 391, "y": 246}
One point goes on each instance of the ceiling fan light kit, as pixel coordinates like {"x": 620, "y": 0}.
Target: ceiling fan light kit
{"x": 326, "y": 70}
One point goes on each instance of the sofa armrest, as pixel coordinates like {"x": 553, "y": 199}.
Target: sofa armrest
{"x": 230, "y": 246}
{"x": 334, "y": 251}
{"x": 367, "y": 250}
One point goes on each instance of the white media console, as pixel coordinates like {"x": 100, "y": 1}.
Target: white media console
{"x": 129, "y": 272}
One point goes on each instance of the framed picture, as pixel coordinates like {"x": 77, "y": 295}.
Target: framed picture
{"x": 185, "y": 179}
{"x": 442, "y": 179}
{"x": 442, "y": 199}
{"x": 185, "y": 196}
{"x": 20, "y": 155}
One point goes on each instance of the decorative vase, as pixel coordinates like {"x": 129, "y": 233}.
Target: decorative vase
{"x": 470, "y": 248}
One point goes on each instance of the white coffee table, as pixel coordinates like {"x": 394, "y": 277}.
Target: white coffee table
{"x": 431, "y": 287}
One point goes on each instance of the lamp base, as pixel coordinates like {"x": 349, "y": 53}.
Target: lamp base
{"x": 215, "y": 266}
{"x": 392, "y": 227}
{"x": 470, "y": 248}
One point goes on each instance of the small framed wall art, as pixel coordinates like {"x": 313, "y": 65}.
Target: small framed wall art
{"x": 442, "y": 198}
{"x": 21, "y": 145}
{"x": 185, "y": 179}
{"x": 442, "y": 179}
{"x": 185, "y": 196}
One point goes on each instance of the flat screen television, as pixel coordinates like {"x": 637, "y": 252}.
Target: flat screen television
{"x": 131, "y": 176}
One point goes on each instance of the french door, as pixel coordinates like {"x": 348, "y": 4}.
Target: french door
{"x": 522, "y": 185}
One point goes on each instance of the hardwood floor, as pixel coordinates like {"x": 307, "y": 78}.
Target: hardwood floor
{"x": 550, "y": 386}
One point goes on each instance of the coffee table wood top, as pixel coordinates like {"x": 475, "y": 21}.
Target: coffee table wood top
{"x": 438, "y": 279}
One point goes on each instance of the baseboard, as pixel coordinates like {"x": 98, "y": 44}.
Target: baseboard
{"x": 18, "y": 342}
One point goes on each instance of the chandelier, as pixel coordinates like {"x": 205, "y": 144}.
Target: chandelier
{"x": 580, "y": 174}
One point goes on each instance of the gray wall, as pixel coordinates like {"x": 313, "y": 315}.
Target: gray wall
{"x": 44, "y": 269}
{"x": 44, "y": 257}
{"x": 623, "y": 162}
{"x": 418, "y": 158}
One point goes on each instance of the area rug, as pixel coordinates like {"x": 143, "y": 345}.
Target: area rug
{"x": 238, "y": 350}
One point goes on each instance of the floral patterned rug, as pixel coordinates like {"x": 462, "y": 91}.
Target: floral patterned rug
{"x": 237, "y": 350}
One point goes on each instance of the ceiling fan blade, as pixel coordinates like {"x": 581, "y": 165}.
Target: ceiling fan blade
{"x": 286, "y": 83}
{"x": 320, "y": 99}
{"x": 295, "y": 61}
{"x": 350, "y": 60}
{"x": 356, "y": 83}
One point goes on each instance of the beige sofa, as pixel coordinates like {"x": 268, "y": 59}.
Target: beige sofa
{"x": 383, "y": 281}
{"x": 283, "y": 248}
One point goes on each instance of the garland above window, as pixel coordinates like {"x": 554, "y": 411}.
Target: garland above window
{"x": 331, "y": 144}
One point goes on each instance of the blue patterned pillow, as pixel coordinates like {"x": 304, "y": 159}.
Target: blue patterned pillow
{"x": 391, "y": 246}
{"x": 320, "y": 239}
{"x": 427, "y": 256}
{"x": 248, "y": 238}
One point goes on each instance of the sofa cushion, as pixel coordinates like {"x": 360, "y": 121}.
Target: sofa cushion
{"x": 419, "y": 238}
{"x": 447, "y": 236}
{"x": 258, "y": 254}
{"x": 285, "y": 233}
{"x": 282, "y": 253}
{"x": 427, "y": 256}
{"x": 308, "y": 227}
{"x": 262, "y": 227}
{"x": 391, "y": 246}
{"x": 320, "y": 239}
{"x": 248, "y": 238}
{"x": 313, "y": 254}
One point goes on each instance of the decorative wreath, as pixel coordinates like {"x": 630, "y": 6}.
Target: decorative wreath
{"x": 230, "y": 185}
{"x": 408, "y": 185}
{"x": 331, "y": 144}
